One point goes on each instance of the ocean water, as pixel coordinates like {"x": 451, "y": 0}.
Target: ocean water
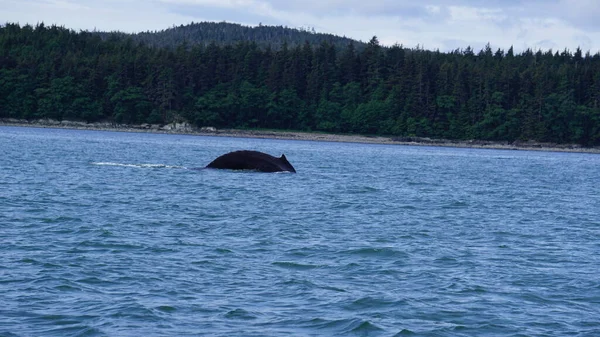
{"x": 112, "y": 234}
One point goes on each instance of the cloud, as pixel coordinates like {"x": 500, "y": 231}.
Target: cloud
{"x": 109, "y": 15}
{"x": 583, "y": 14}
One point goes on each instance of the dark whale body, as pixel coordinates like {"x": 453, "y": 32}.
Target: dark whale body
{"x": 252, "y": 160}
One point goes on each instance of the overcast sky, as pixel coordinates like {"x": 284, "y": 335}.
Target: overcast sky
{"x": 431, "y": 24}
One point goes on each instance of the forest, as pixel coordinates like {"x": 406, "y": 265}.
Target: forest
{"x": 317, "y": 85}
{"x": 224, "y": 33}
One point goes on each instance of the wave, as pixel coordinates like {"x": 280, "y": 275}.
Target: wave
{"x": 153, "y": 166}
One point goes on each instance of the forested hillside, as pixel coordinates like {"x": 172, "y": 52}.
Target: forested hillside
{"x": 52, "y": 72}
{"x": 223, "y": 33}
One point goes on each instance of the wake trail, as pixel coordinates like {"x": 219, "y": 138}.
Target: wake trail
{"x": 141, "y": 166}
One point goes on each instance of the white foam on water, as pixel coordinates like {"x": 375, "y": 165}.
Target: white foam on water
{"x": 137, "y": 165}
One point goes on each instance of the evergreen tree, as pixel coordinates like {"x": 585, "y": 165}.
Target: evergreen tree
{"x": 315, "y": 83}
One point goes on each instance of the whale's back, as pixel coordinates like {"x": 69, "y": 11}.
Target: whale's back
{"x": 251, "y": 160}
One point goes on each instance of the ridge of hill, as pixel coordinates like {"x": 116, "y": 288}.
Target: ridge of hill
{"x": 224, "y": 33}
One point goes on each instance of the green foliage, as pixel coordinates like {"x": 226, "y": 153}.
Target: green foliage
{"x": 224, "y": 33}
{"x": 130, "y": 106}
{"x": 231, "y": 76}
{"x": 284, "y": 109}
{"x": 214, "y": 108}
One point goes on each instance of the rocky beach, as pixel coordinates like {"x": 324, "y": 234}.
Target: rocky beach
{"x": 188, "y": 129}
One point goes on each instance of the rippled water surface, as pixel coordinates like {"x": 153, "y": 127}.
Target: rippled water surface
{"x": 111, "y": 234}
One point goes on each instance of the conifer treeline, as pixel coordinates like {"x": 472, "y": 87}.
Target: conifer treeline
{"x": 53, "y": 72}
{"x": 223, "y": 33}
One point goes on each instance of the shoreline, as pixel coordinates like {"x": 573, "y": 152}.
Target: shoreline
{"x": 187, "y": 129}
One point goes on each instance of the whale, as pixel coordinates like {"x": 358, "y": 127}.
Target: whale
{"x": 252, "y": 160}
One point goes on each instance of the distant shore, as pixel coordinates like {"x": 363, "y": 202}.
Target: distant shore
{"x": 187, "y": 129}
